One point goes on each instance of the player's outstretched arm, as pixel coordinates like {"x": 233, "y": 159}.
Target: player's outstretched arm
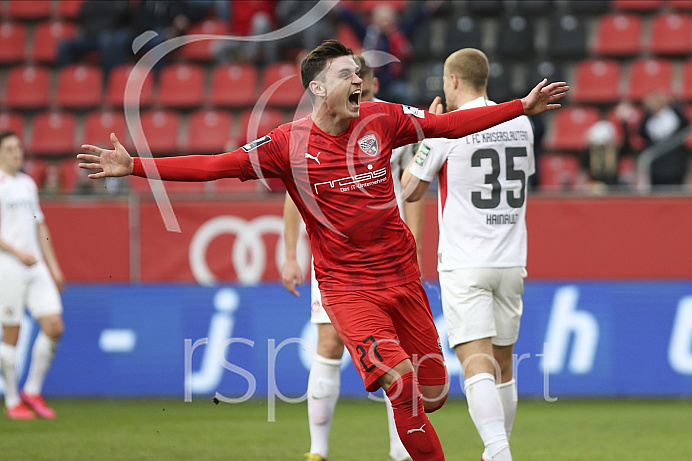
{"x": 291, "y": 275}
{"x": 543, "y": 97}
{"x": 111, "y": 162}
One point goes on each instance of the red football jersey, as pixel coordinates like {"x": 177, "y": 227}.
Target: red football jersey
{"x": 342, "y": 184}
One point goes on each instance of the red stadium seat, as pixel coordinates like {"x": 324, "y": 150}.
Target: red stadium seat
{"x": 69, "y": 174}
{"x": 36, "y": 168}
{"x": 181, "y": 86}
{"x": 27, "y": 87}
{"x": 29, "y": 10}
{"x": 53, "y": 134}
{"x": 647, "y": 75}
{"x": 638, "y": 5}
{"x": 47, "y": 35}
{"x": 69, "y": 9}
{"x": 671, "y": 34}
{"x": 290, "y": 91}
{"x": 201, "y": 50}
{"x": 10, "y": 121}
{"x": 208, "y": 132}
{"x": 596, "y": 81}
{"x": 79, "y": 86}
{"x": 12, "y": 42}
{"x": 618, "y": 35}
{"x": 558, "y": 171}
{"x": 233, "y": 85}
{"x": 686, "y": 87}
{"x": 161, "y": 128}
{"x": 98, "y": 126}
{"x": 569, "y": 128}
{"x": 680, "y": 4}
{"x": 117, "y": 82}
{"x": 269, "y": 119}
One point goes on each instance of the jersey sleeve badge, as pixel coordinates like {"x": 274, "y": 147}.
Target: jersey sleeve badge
{"x": 256, "y": 143}
{"x": 422, "y": 154}
{"x": 416, "y": 112}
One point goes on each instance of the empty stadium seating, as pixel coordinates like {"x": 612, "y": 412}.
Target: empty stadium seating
{"x": 685, "y": 93}
{"x": 12, "y": 42}
{"x": 202, "y": 50}
{"x": 47, "y": 35}
{"x": 618, "y": 35}
{"x": 79, "y": 86}
{"x": 117, "y": 82}
{"x": 558, "y": 171}
{"x": 671, "y": 34}
{"x": 53, "y": 134}
{"x": 233, "y": 85}
{"x": 281, "y": 84}
{"x": 647, "y": 75}
{"x": 29, "y": 10}
{"x": 250, "y": 129}
{"x": 161, "y": 130}
{"x": 181, "y": 86}
{"x": 208, "y": 131}
{"x": 98, "y": 125}
{"x": 12, "y": 121}
{"x": 638, "y": 5}
{"x": 567, "y": 38}
{"x": 596, "y": 81}
{"x": 27, "y": 87}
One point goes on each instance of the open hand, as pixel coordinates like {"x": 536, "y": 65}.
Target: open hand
{"x": 115, "y": 162}
{"x": 543, "y": 97}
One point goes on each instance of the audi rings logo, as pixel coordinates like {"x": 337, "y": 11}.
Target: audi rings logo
{"x": 249, "y": 253}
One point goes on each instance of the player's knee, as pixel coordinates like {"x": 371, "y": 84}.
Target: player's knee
{"x": 54, "y": 328}
{"x": 434, "y": 397}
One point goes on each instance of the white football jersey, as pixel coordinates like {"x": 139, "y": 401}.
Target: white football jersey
{"x": 20, "y": 213}
{"x": 401, "y": 157}
{"x": 482, "y": 193}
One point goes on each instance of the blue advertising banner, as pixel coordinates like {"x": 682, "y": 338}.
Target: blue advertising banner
{"x": 239, "y": 342}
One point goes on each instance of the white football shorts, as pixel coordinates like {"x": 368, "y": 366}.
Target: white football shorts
{"x": 483, "y": 303}
{"x": 317, "y": 313}
{"x": 32, "y": 287}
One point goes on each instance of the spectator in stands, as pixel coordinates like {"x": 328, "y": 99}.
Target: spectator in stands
{"x": 601, "y": 161}
{"x": 289, "y": 11}
{"x": 102, "y": 29}
{"x": 386, "y": 33}
{"x": 168, "y": 18}
{"x": 662, "y": 120}
{"x": 245, "y": 19}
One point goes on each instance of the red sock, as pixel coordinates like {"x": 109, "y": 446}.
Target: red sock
{"x": 412, "y": 424}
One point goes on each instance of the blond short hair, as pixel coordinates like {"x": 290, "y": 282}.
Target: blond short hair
{"x": 471, "y": 66}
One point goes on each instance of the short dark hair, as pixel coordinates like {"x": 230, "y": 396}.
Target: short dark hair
{"x": 6, "y": 134}
{"x": 316, "y": 60}
{"x": 365, "y": 70}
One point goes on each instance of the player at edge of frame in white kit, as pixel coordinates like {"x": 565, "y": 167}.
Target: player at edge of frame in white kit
{"x": 325, "y": 372}
{"x": 29, "y": 275}
{"x": 482, "y": 245}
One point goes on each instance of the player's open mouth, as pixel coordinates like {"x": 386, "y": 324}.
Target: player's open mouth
{"x": 354, "y": 98}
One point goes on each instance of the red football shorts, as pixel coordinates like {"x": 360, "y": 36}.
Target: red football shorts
{"x": 381, "y": 328}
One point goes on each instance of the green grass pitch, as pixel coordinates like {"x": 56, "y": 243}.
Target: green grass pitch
{"x": 156, "y": 429}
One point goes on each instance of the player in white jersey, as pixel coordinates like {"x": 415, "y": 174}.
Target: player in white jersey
{"x": 324, "y": 379}
{"x": 482, "y": 245}
{"x": 29, "y": 275}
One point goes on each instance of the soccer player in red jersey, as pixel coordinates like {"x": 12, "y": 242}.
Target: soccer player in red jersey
{"x": 335, "y": 165}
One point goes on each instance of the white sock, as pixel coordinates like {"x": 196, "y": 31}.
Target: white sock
{"x": 41, "y": 357}
{"x": 487, "y": 414}
{"x": 509, "y": 398}
{"x": 323, "y": 392}
{"x": 396, "y": 449}
{"x": 8, "y": 362}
